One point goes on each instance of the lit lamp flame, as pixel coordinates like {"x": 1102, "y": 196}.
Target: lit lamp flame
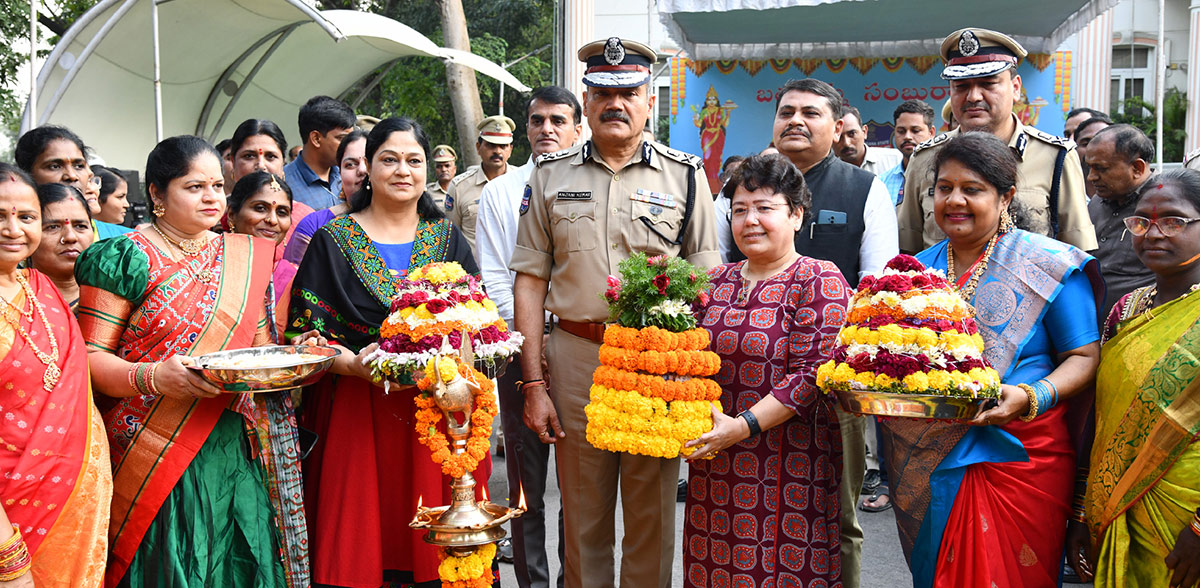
{"x": 485, "y": 494}
{"x": 521, "y": 500}
{"x": 420, "y": 501}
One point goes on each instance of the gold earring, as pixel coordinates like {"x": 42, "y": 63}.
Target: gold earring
{"x": 1006, "y": 221}
{"x": 159, "y": 209}
{"x": 229, "y": 223}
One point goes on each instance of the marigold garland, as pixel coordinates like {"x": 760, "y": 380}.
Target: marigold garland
{"x": 655, "y": 339}
{"x": 656, "y": 386}
{"x": 976, "y": 383}
{"x": 626, "y": 421}
{"x": 468, "y": 571}
{"x": 428, "y": 415}
{"x": 679, "y": 362}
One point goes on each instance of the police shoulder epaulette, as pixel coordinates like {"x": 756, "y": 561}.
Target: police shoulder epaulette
{"x": 677, "y": 155}
{"x": 1045, "y": 137}
{"x": 938, "y": 140}
{"x": 547, "y": 157}
{"x": 1193, "y": 154}
{"x": 471, "y": 171}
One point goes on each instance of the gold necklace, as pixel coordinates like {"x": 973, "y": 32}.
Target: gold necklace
{"x": 13, "y": 315}
{"x": 187, "y": 246}
{"x": 190, "y": 247}
{"x": 1143, "y": 301}
{"x": 968, "y": 291}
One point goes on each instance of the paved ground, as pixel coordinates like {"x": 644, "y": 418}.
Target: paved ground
{"x": 883, "y": 563}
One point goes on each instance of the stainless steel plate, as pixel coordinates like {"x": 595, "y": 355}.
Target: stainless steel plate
{"x": 263, "y": 369}
{"x": 917, "y": 406}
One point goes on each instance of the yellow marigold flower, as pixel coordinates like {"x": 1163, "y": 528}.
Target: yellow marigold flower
{"x": 867, "y": 379}
{"x": 891, "y": 335}
{"x": 869, "y": 337}
{"x": 939, "y": 379}
{"x": 843, "y": 373}
{"x": 917, "y": 382}
{"x": 926, "y": 337}
{"x": 978, "y": 339}
{"x": 884, "y": 380}
{"x": 824, "y": 372}
{"x": 423, "y": 313}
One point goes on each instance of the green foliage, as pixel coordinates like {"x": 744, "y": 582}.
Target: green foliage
{"x": 1141, "y": 114}
{"x": 661, "y": 291}
{"x": 501, "y": 31}
{"x": 55, "y": 18}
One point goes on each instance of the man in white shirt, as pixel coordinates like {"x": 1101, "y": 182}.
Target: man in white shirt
{"x": 852, "y": 147}
{"x": 554, "y": 124}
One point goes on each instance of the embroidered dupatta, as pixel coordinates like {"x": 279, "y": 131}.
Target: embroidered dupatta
{"x": 154, "y": 439}
{"x": 54, "y": 457}
{"x": 927, "y": 459}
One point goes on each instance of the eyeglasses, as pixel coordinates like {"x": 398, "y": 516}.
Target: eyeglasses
{"x": 95, "y": 181}
{"x": 1169, "y": 226}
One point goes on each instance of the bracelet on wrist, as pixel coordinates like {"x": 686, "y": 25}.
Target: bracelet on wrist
{"x": 15, "y": 560}
{"x": 1033, "y": 402}
{"x": 522, "y": 386}
{"x": 752, "y": 422}
{"x": 1053, "y": 393}
{"x": 1195, "y": 526}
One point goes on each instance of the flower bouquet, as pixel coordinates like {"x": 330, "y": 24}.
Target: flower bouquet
{"x": 439, "y": 302}
{"x": 651, "y": 393}
{"x": 909, "y": 333}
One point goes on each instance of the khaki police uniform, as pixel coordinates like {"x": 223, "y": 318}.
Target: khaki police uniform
{"x": 975, "y": 53}
{"x": 462, "y": 195}
{"x": 1192, "y": 159}
{"x": 462, "y": 201}
{"x": 579, "y": 219}
{"x": 437, "y": 193}
{"x": 1037, "y": 152}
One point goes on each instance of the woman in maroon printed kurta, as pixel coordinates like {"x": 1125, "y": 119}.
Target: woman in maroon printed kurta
{"x": 764, "y": 511}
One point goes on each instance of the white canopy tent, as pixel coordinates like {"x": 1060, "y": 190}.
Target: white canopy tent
{"x": 221, "y": 62}
{"x": 765, "y": 29}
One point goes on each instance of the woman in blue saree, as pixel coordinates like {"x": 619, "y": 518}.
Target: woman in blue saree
{"x": 986, "y": 503}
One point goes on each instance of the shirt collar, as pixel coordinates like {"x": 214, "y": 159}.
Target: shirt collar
{"x": 644, "y": 154}
{"x": 310, "y": 177}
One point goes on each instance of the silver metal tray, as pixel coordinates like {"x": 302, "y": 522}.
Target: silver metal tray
{"x": 282, "y": 367}
{"x": 917, "y": 406}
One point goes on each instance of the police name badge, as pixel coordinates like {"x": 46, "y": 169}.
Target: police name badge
{"x": 525, "y": 199}
{"x": 583, "y": 195}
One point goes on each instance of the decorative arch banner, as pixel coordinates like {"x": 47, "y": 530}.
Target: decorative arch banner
{"x": 729, "y": 109}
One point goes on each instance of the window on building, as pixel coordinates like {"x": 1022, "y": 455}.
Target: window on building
{"x": 1132, "y": 75}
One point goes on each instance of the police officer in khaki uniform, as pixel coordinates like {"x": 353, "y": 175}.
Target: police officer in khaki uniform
{"x": 585, "y": 210}
{"x": 981, "y": 66}
{"x": 494, "y": 145}
{"x": 444, "y": 169}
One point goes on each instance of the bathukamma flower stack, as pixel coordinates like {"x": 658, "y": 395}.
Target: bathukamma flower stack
{"x": 651, "y": 393}
{"x": 909, "y": 332}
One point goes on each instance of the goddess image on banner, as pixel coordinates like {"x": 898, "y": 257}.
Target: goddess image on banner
{"x": 712, "y": 121}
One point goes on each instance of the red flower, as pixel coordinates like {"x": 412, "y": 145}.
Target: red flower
{"x": 659, "y": 260}
{"x": 922, "y": 281}
{"x": 612, "y": 295}
{"x": 866, "y": 284}
{"x": 437, "y": 306}
{"x": 905, "y": 263}
{"x": 661, "y": 281}
{"x": 703, "y": 297}
{"x": 895, "y": 283}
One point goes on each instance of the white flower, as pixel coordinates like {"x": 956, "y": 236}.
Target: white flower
{"x": 671, "y": 307}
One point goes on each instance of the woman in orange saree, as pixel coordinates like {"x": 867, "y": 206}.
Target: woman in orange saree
{"x": 56, "y": 486}
{"x": 199, "y": 476}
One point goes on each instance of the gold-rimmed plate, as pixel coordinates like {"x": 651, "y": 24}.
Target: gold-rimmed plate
{"x": 915, "y": 406}
{"x": 265, "y": 369}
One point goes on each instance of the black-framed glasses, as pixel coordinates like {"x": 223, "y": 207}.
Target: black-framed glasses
{"x": 1169, "y": 226}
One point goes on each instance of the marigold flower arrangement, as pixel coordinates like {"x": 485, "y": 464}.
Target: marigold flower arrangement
{"x": 467, "y": 571}
{"x": 445, "y": 369}
{"x": 909, "y": 332}
{"x": 651, "y": 393}
{"x": 433, "y": 303}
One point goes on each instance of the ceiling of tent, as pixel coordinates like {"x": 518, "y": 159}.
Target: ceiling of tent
{"x": 221, "y": 62}
{"x": 760, "y": 29}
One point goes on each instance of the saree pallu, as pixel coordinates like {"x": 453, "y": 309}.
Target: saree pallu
{"x": 367, "y": 472}
{"x": 57, "y": 484}
{"x": 1144, "y": 480}
{"x": 973, "y": 503}
{"x": 140, "y": 305}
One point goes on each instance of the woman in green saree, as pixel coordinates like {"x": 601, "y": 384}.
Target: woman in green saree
{"x": 1142, "y": 500}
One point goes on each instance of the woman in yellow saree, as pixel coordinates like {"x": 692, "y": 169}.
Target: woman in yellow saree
{"x": 56, "y": 484}
{"x": 1143, "y": 487}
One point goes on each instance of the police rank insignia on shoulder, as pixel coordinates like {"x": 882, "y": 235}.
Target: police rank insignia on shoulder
{"x": 449, "y": 202}
{"x": 525, "y": 199}
{"x": 938, "y": 140}
{"x": 1048, "y": 138}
